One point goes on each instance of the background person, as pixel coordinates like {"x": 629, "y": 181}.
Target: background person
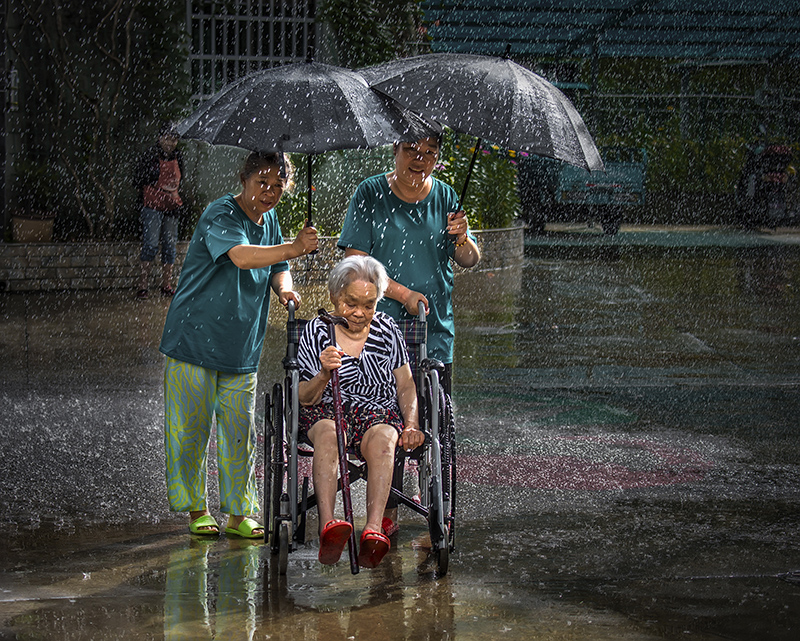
{"x": 213, "y": 337}
{"x": 378, "y": 395}
{"x": 158, "y": 178}
{"x": 412, "y": 223}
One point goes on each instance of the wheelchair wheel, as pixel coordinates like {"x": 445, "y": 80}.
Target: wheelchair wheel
{"x": 269, "y": 430}
{"x": 274, "y": 476}
{"x": 437, "y": 478}
{"x": 443, "y": 554}
{"x": 283, "y": 547}
{"x": 447, "y": 437}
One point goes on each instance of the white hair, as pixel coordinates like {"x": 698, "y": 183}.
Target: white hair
{"x": 355, "y": 268}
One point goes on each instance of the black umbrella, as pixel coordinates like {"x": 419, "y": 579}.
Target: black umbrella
{"x": 306, "y": 107}
{"x": 492, "y": 98}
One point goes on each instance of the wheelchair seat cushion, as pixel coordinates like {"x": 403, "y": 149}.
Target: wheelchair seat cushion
{"x": 358, "y": 421}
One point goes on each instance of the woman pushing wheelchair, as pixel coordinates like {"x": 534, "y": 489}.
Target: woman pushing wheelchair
{"x": 379, "y": 402}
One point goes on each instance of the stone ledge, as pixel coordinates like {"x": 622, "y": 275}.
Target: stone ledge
{"x": 56, "y": 266}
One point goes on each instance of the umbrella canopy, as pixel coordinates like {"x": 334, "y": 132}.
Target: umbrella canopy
{"x": 306, "y": 107}
{"x": 492, "y": 98}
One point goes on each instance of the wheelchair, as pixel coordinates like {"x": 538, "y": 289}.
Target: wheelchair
{"x": 287, "y": 497}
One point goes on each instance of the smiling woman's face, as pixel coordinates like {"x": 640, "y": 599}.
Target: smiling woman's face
{"x": 414, "y": 161}
{"x": 262, "y": 190}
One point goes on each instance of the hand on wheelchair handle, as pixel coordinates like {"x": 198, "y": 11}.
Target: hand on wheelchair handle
{"x": 290, "y": 300}
{"x": 412, "y": 302}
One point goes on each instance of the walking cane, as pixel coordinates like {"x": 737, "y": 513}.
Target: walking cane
{"x": 331, "y": 321}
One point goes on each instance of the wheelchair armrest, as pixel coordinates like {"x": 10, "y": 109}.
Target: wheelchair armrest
{"x": 429, "y": 364}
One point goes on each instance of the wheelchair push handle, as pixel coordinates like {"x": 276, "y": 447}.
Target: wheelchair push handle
{"x": 291, "y": 307}
{"x": 423, "y": 346}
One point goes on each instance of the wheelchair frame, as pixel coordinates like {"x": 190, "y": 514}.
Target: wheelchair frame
{"x": 287, "y": 503}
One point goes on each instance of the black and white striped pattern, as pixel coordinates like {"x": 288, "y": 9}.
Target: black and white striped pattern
{"x": 367, "y": 381}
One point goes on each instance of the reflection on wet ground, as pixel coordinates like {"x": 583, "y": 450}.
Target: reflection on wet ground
{"x": 628, "y": 463}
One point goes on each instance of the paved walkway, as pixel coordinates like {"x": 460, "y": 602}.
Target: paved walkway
{"x": 628, "y": 464}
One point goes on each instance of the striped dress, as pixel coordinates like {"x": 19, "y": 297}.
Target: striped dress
{"x": 367, "y": 381}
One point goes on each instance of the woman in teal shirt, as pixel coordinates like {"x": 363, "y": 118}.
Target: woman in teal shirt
{"x": 413, "y": 224}
{"x": 213, "y": 336}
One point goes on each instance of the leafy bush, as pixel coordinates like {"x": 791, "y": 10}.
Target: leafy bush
{"x": 492, "y": 200}
{"x": 95, "y": 79}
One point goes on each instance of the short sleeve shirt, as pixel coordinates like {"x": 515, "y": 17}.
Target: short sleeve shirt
{"x": 368, "y": 381}
{"x": 412, "y": 242}
{"x": 218, "y": 316}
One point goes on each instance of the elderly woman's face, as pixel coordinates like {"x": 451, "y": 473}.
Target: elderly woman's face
{"x": 356, "y": 303}
{"x": 414, "y": 161}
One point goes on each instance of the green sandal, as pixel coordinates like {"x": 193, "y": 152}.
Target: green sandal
{"x": 204, "y": 521}
{"x": 245, "y": 529}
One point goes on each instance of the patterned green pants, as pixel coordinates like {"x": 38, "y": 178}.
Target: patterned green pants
{"x": 193, "y": 396}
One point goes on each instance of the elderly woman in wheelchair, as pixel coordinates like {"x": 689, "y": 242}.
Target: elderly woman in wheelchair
{"x": 379, "y": 402}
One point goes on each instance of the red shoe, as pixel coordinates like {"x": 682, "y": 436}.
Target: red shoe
{"x": 332, "y": 540}
{"x": 389, "y": 527}
{"x": 374, "y": 547}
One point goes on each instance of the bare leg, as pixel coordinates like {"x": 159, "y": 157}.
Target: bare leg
{"x": 325, "y": 467}
{"x": 390, "y": 513}
{"x": 378, "y": 448}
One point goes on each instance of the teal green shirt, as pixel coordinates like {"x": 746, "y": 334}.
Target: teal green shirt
{"x": 412, "y": 242}
{"x": 218, "y": 316}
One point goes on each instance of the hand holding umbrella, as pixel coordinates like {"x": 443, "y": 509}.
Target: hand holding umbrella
{"x": 457, "y": 225}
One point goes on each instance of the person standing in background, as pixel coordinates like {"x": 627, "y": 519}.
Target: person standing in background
{"x": 157, "y": 178}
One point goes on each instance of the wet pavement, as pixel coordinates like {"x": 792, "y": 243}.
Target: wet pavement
{"x": 627, "y": 418}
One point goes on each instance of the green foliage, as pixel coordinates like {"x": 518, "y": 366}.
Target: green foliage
{"x": 492, "y": 201}
{"x": 694, "y": 120}
{"x": 101, "y": 74}
{"x": 681, "y": 165}
{"x": 678, "y": 165}
{"x": 34, "y": 191}
{"x": 336, "y": 175}
{"x": 292, "y": 208}
{"x": 367, "y": 33}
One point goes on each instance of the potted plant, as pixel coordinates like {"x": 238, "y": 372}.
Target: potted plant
{"x": 33, "y": 202}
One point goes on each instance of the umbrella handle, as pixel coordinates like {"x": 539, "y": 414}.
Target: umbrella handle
{"x": 309, "y": 220}
{"x": 469, "y": 172}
